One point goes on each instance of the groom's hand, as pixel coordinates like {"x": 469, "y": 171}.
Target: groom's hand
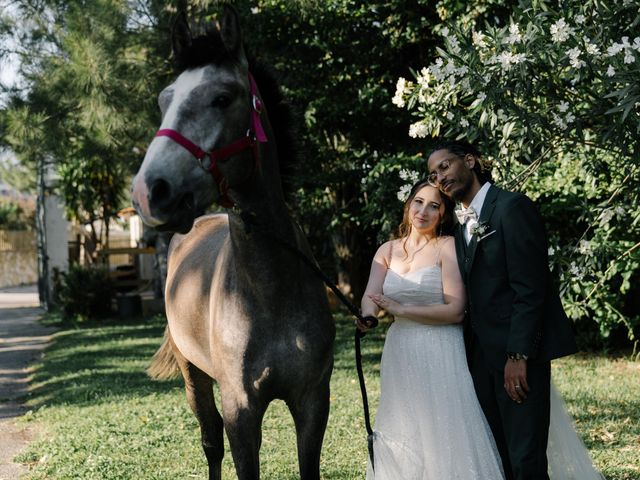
{"x": 515, "y": 380}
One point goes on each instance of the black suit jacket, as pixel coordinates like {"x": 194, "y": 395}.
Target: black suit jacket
{"x": 512, "y": 303}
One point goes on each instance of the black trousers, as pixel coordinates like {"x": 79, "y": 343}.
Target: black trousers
{"x": 521, "y": 430}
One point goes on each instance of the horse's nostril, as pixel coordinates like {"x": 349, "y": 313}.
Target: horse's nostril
{"x": 160, "y": 193}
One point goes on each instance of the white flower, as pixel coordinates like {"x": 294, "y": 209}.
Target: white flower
{"x": 464, "y": 123}
{"x": 255, "y": 10}
{"x": 574, "y": 270}
{"x": 519, "y": 58}
{"x": 614, "y": 49}
{"x": 620, "y": 211}
{"x": 585, "y": 247}
{"x": 482, "y": 97}
{"x": 403, "y": 193}
{"x": 409, "y": 175}
{"x": 454, "y": 45}
{"x": 606, "y": 216}
{"x": 551, "y": 251}
{"x": 477, "y": 228}
{"x": 574, "y": 58}
{"x": 514, "y": 34}
{"x": 636, "y": 44}
{"x": 580, "y": 19}
{"x": 450, "y": 116}
{"x": 628, "y": 57}
{"x": 559, "y": 122}
{"x": 423, "y": 78}
{"x": 450, "y": 68}
{"x": 436, "y": 70}
{"x": 569, "y": 118}
{"x": 611, "y": 71}
{"x": 478, "y": 39}
{"x": 563, "y": 107}
{"x": 591, "y": 48}
{"x": 560, "y": 31}
{"x": 398, "y": 98}
{"x": 418, "y": 130}
{"x": 506, "y": 59}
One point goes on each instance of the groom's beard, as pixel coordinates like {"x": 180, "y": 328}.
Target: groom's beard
{"x": 457, "y": 194}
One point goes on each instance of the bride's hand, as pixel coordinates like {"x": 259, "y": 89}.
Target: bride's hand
{"x": 390, "y": 306}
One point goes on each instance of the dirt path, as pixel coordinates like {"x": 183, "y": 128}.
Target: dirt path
{"x": 22, "y": 340}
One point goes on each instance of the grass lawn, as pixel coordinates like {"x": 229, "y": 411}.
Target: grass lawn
{"x": 101, "y": 418}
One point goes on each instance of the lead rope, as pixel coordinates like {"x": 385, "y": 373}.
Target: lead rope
{"x": 371, "y": 321}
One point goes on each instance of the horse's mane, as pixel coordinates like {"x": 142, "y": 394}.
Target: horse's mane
{"x": 208, "y": 48}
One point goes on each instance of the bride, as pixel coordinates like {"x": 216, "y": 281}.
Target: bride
{"x": 429, "y": 424}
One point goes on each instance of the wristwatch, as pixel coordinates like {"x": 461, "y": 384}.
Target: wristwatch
{"x": 517, "y": 356}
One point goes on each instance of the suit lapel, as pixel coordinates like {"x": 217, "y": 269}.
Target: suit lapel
{"x": 488, "y": 207}
{"x": 461, "y": 248}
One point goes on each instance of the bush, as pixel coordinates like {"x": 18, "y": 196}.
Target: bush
{"x": 16, "y": 216}
{"x": 85, "y": 292}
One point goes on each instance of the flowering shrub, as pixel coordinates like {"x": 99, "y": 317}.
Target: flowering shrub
{"x": 554, "y": 99}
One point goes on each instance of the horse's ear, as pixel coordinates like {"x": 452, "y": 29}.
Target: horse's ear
{"x": 230, "y": 33}
{"x": 181, "y": 35}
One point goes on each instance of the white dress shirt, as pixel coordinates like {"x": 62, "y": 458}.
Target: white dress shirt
{"x": 476, "y": 204}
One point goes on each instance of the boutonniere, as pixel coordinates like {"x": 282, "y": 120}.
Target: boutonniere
{"x": 480, "y": 230}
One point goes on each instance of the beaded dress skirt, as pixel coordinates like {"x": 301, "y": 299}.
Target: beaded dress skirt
{"x": 429, "y": 424}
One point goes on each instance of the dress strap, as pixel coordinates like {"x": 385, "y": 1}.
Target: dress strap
{"x": 439, "y": 245}
{"x": 388, "y": 259}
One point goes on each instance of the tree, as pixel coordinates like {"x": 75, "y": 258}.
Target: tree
{"x": 338, "y": 61}
{"x": 553, "y": 98}
{"x": 92, "y": 72}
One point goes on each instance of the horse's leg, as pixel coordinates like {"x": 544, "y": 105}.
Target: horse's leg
{"x": 243, "y": 424}
{"x": 199, "y": 389}
{"x": 310, "y": 412}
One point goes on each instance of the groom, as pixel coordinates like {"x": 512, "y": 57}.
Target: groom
{"x": 515, "y": 323}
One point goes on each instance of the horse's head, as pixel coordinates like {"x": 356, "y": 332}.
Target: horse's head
{"x": 207, "y": 112}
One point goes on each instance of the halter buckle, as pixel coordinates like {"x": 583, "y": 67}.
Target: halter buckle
{"x": 201, "y": 164}
{"x": 257, "y": 104}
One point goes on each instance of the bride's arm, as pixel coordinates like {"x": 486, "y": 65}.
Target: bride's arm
{"x": 374, "y": 285}
{"x": 451, "y": 311}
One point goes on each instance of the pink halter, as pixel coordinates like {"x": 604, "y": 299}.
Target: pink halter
{"x": 255, "y": 134}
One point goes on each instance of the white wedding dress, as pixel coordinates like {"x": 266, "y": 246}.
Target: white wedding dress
{"x": 429, "y": 424}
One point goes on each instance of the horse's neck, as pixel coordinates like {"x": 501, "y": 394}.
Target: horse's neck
{"x": 263, "y": 214}
{"x": 261, "y": 195}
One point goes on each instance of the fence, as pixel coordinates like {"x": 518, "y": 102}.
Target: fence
{"x": 18, "y": 258}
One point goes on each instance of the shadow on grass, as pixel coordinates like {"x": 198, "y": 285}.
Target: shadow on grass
{"x": 95, "y": 362}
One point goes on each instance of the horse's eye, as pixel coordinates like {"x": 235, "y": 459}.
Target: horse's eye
{"x": 221, "y": 101}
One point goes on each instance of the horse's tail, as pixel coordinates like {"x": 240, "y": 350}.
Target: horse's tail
{"x": 164, "y": 365}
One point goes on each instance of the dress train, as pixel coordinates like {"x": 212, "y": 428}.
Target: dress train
{"x": 567, "y": 455}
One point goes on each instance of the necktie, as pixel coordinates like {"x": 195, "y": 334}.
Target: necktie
{"x": 466, "y": 214}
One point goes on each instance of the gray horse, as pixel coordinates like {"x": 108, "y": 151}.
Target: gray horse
{"x": 242, "y": 311}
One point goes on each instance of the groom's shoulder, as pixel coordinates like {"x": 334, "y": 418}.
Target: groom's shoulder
{"x": 508, "y": 198}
